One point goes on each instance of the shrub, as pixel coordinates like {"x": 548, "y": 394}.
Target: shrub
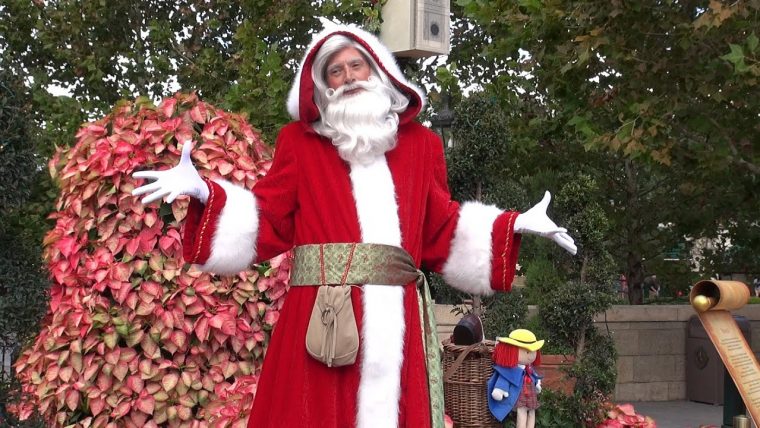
{"x": 541, "y": 279}
{"x": 567, "y": 320}
{"x": 559, "y": 410}
{"x": 568, "y": 313}
{"x": 444, "y": 294}
{"x": 506, "y": 312}
{"x": 24, "y": 204}
{"x": 551, "y": 346}
{"x": 596, "y": 372}
{"x": 132, "y": 337}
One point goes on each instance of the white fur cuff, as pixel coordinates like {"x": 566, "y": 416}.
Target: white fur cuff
{"x": 233, "y": 246}
{"x": 468, "y": 267}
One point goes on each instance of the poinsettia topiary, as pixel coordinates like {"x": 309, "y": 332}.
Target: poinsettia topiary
{"x": 133, "y": 337}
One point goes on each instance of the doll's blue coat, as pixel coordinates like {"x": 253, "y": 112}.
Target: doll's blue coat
{"x": 509, "y": 379}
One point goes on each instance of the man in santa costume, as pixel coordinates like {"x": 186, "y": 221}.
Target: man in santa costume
{"x": 354, "y": 167}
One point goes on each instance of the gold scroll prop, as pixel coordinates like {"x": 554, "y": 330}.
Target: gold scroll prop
{"x": 713, "y": 300}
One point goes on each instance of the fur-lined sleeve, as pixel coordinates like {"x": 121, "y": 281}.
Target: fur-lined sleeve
{"x": 472, "y": 244}
{"x": 237, "y": 227}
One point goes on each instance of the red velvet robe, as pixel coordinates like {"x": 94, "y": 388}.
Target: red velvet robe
{"x": 307, "y": 198}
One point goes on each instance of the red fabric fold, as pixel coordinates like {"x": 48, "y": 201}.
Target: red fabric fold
{"x": 506, "y": 247}
{"x": 201, "y": 223}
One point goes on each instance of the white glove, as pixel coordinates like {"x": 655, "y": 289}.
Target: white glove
{"x": 535, "y": 221}
{"x": 538, "y": 387}
{"x": 183, "y": 179}
{"x": 499, "y": 394}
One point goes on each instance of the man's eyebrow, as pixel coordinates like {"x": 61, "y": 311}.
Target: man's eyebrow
{"x": 354, "y": 60}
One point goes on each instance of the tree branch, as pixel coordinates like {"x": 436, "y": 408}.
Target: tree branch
{"x": 737, "y": 157}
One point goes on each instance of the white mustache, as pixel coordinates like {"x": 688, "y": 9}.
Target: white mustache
{"x": 369, "y": 85}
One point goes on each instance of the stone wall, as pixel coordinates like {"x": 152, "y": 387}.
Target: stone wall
{"x": 651, "y": 345}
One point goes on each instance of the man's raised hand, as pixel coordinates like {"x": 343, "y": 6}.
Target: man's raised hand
{"x": 183, "y": 179}
{"x": 535, "y": 221}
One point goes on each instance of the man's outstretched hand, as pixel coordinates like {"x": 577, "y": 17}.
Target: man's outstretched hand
{"x": 183, "y": 179}
{"x": 535, "y": 221}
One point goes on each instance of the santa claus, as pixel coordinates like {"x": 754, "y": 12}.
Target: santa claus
{"x": 354, "y": 167}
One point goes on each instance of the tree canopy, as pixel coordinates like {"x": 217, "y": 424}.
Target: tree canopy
{"x": 654, "y": 100}
{"x": 239, "y": 54}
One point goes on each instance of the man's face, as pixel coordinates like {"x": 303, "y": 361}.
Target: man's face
{"x": 346, "y": 66}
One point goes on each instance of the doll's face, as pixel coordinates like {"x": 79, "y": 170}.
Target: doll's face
{"x": 525, "y": 357}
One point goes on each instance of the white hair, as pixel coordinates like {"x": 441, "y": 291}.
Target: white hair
{"x": 363, "y": 125}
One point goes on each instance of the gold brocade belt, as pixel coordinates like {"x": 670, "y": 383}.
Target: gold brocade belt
{"x": 337, "y": 264}
{"x": 375, "y": 264}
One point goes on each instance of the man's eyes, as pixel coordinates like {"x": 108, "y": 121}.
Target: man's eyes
{"x": 338, "y": 70}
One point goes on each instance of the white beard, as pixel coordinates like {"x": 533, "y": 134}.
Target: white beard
{"x": 361, "y": 125}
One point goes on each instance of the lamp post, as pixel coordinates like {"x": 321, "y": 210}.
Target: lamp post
{"x": 441, "y": 121}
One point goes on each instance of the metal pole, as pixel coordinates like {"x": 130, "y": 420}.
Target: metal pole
{"x": 733, "y": 405}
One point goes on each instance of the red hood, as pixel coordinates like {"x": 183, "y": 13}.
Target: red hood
{"x": 301, "y": 104}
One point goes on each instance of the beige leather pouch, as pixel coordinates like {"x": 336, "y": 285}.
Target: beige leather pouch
{"x": 332, "y": 337}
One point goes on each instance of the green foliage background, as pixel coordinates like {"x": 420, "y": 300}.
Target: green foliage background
{"x": 640, "y": 118}
{"x": 651, "y": 101}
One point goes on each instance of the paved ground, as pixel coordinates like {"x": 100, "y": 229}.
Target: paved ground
{"x": 681, "y": 414}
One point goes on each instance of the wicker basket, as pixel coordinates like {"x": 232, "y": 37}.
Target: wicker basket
{"x": 466, "y": 371}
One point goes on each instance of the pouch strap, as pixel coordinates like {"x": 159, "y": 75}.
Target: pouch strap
{"x": 330, "y": 334}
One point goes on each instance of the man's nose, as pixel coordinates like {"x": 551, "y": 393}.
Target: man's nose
{"x": 350, "y": 77}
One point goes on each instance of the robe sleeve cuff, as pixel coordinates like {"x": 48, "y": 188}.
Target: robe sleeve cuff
{"x": 220, "y": 237}
{"x": 483, "y": 251}
{"x": 506, "y": 247}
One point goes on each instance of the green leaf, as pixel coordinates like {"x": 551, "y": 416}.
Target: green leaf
{"x": 752, "y": 42}
{"x": 533, "y": 5}
{"x": 463, "y": 3}
{"x": 741, "y": 66}
{"x": 736, "y": 54}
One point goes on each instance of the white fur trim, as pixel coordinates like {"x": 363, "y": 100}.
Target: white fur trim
{"x": 376, "y": 206}
{"x": 384, "y": 55}
{"x": 468, "y": 267}
{"x": 293, "y": 96}
{"x": 383, "y": 323}
{"x": 233, "y": 246}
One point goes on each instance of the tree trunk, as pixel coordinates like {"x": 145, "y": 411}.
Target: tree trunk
{"x": 635, "y": 269}
{"x": 584, "y": 268}
{"x": 477, "y": 303}
{"x": 635, "y": 276}
{"x": 581, "y": 346}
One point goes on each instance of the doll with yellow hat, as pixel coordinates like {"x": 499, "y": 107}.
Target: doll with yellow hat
{"x": 515, "y": 383}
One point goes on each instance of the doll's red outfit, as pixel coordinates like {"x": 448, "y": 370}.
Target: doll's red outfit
{"x": 312, "y": 196}
{"x": 529, "y": 394}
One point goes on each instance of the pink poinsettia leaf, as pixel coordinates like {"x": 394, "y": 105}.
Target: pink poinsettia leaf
{"x": 167, "y": 106}
{"x": 146, "y": 404}
{"x": 121, "y": 410}
{"x": 626, "y": 409}
{"x": 170, "y": 381}
{"x": 97, "y": 405}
